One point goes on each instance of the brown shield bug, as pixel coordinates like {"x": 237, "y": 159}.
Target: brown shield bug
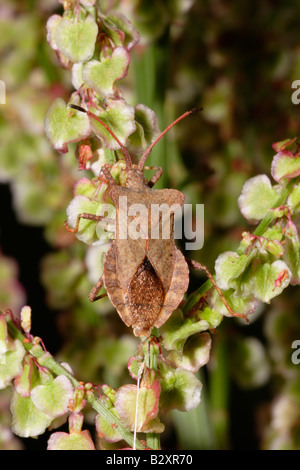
{"x": 145, "y": 277}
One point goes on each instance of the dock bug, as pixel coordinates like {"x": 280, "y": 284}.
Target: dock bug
{"x": 145, "y": 277}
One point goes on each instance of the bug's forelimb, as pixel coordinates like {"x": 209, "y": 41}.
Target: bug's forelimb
{"x": 107, "y": 174}
{"x": 125, "y": 152}
{"x": 157, "y": 175}
{"x": 84, "y": 215}
{"x": 148, "y": 150}
{"x": 93, "y": 295}
{"x": 200, "y": 267}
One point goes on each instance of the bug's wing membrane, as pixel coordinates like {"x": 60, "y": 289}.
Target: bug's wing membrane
{"x": 168, "y": 261}
{"x": 178, "y": 287}
{"x": 161, "y": 250}
{"x": 161, "y": 256}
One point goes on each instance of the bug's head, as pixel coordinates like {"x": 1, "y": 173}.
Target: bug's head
{"x": 135, "y": 178}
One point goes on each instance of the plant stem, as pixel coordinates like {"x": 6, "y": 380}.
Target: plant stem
{"x": 270, "y": 215}
{"x": 264, "y": 224}
{"x": 196, "y": 296}
{"x": 153, "y": 440}
{"x": 219, "y": 389}
{"x": 46, "y": 360}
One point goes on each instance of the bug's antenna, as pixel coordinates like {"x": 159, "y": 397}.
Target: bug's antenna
{"x": 148, "y": 150}
{"x": 125, "y": 152}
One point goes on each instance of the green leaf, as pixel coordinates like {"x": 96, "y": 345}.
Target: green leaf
{"x": 134, "y": 368}
{"x": 109, "y": 392}
{"x": 257, "y": 197}
{"x": 105, "y": 429}
{"x": 101, "y": 156}
{"x": 77, "y": 80}
{"x": 76, "y": 40}
{"x": 273, "y": 245}
{"x": 283, "y": 144}
{"x": 11, "y": 363}
{"x": 11, "y": 356}
{"x": 119, "y": 29}
{"x": 53, "y": 397}
{"x": 4, "y": 341}
{"x": 148, "y": 398}
{"x": 195, "y": 354}
{"x": 90, "y": 231}
{"x": 64, "y": 125}
{"x": 294, "y": 198}
{"x": 87, "y": 228}
{"x": 177, "y": 329}
{"x": 146, "y": 129}
{"x": 238, "y": 303}
{"x": 51, "y": 26}
{"x": 27, "y": 420}
{"x": 180, "y": 389}
{"x": 292, "y": 252}
{"x": 119, "y": 117}
{"x": 101, "y": 76}
{"x": 74, "y": 441}
{"x": 270, "y": 279}
{"x": 27, "y": 379}
{"x": 92, "y": 189}
{"x": 88, "y": 3}
{"x": 212, "y": 316}
{"x": 285, "y": 165}
{"x": 273, "y": 233}
{"x": 229, "y": 266}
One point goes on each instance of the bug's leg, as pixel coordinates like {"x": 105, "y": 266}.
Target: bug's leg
{"x": 157, "y": 175}
{"x": 110, "y": 180}
{"x": 200, "y": 267}
{"x": 93, "y": 295}
{"x": 84, "y": 215}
